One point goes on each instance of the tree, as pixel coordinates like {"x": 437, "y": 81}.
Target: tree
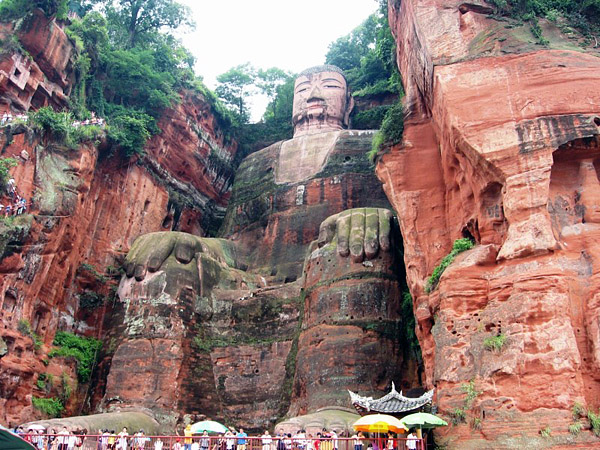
{"x": 234, "y": 86}
{"x": 347, "y": 51}
{"x": 280, "y": 108}
{"x": 82, "y": 7}
{"x": 269, "y": 82}
{"x": 136, "y": 21}
{"x": 15, "y": 9}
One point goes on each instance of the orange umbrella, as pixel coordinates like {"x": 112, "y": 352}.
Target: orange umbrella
{"x": 379, "y": 423}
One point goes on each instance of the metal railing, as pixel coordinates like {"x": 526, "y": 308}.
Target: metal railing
{"x": 197, "y": 442}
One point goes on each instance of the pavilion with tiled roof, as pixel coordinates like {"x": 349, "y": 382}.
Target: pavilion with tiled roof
{"x": 392, "y": 403}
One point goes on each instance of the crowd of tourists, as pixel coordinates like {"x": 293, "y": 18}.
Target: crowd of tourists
{"x": 50, "y": 439}
{"x": 8, "y": 118}
{"x": 231, "y": 440}
{"x": 12, "y": 204}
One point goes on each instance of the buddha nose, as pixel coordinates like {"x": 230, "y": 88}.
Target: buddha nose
{"x": 315, "y": 94}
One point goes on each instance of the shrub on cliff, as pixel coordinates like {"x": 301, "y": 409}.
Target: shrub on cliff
{"x": 370, "y": 119}
{"x": 494, "y": 343}
{"x": 83, "y": 350}
{"x": 5, "y": 165}
{"x": 392, "y": 130}
{"x": 52, "y": 407}
{"x": 24, "y": 327}
{"x": 56, "y": 124}
{"x": 583, "y": 15}
{"x": 460, "y": 245}
{"x": 130, "y": 132}
{"x": 59, "y": 127}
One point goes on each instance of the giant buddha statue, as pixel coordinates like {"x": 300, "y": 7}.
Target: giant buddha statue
{"x": 298, "y": 300}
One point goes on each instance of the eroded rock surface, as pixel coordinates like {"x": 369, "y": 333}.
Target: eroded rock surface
{"x": 60, "y": 262}
{"x": 257, "y": 329}
{"x": 46, "y": 74}
{"x": 501, "y": 144}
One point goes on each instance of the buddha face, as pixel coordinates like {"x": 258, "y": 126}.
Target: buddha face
{"x": 320, "y": 103}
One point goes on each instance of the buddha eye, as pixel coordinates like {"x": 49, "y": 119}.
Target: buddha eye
{"x": 332, "y": 86}
{"x": 301, "y": 90}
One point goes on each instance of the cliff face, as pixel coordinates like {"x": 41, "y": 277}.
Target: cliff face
{"x": 87, "y": 208}
{"x": 219, "y": 329}
{"x": 246, "y": 329}
{"x": 501, "y": 144}
{"x": 42, "y": 76}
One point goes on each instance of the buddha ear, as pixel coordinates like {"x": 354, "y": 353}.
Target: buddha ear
{"x": 349, "y": 108}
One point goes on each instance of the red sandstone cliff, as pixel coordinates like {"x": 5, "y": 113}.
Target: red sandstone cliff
{"x": 501, "y": 144}
{"x": 88, "y": 207}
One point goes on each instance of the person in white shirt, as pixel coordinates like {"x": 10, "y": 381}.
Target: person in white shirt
{"x": 71, "y": 441}
{"x": 63, "y": 439}
{"x": 104, "y": 439}
{"x": 230, "y": 440}
{"x": 158, "y": 445}
{"x": 266, "y": 440}
{"x": 300, "y": 439}
{"x": 122, "y": 441}
{"x": 411, "y": 441}
{"x": 334, "y": 439}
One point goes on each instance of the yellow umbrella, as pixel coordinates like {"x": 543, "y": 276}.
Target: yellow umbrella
{"x": 379, "y": 423}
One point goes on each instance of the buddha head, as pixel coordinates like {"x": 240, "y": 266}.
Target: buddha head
{"x": 321, "y": 101}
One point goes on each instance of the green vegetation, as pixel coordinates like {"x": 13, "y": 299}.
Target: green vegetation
{"x": 472, "y": 393}
{"x": 409, "y": 323}
{"x": 65, "y": 390}
{"x": 52, "y": 407}
{"x": 15, "y": 9}
{"x": 458, "y": 416}
{"x": 83, "y": 350}
{"x": 594, "y": 421}
{"x": 5, "y": 165}
{"x": 546, "y": 432}
{"x": 370, "y": 119}
{"x": 460, "y": 245}
{"x": 575, "y": 428}
{"x": 59, "y": 127}
{"x": 24, "y": 327}
{"x": 584, "y": 15}
{"x": 392, "y": 129}
{"x": 537, "y": 32}
{"x": 91, "y": 300}
{"x": 368, "y": 57}
{"x": 203, "y": 344}
{"x": 13, "y": 232}
{"x": 45, "y": 382}
{"x": 89, "y": 268}
{"x": 577, "y": 410}
{"x": 129, "y": 67}
{"x": 494, "y": 343}
{"x": 234, "y": 87}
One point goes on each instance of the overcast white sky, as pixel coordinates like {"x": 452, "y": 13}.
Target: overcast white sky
{"x": 291, "y": 35}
